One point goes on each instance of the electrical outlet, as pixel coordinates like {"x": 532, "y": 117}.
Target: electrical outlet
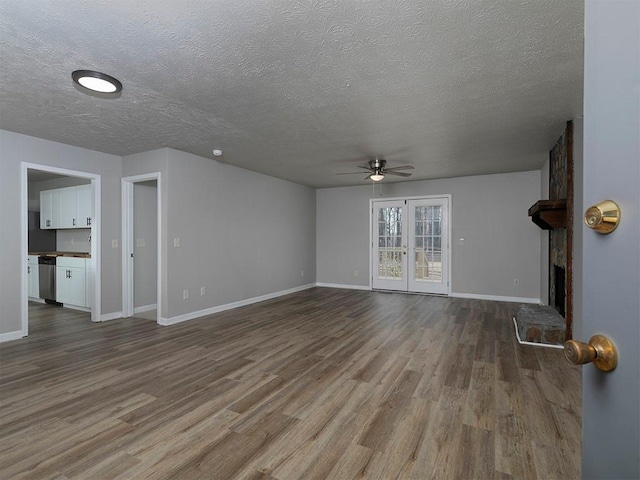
{"x": 516, "y": 282}
{"x": 355, "y": 273}
{"x": 140, "y": 242}
{"x": 176, "y": 242}
{"x": 185, "y": 294}
{"x": 202, "y": 291}
{"x": 302, "y": 273}
{"x": 114, "y": 243}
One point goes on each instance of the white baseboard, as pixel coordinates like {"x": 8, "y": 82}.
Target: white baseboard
{"x": 36, "y": 300}
{"x": 145, "y": 308}
{"x": 230, "y": 306}
{"x": 9, "y": 336}
{"x": 496, "y": 298}
{"x": 344, "y": 286}
{"x": 110, "y": 316}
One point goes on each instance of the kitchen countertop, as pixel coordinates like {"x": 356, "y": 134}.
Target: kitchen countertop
{"x": 62, "y": 254}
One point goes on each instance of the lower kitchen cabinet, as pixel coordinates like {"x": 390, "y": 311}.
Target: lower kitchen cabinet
{"x": 71, "y": 281}
{"x": 33, "y": 276}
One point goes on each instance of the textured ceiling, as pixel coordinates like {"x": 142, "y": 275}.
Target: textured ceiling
{"x": 301, "y": 90}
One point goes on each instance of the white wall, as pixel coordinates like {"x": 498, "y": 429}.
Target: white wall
{"x": 489, "y": 212}
{"x": 16, "y": 148}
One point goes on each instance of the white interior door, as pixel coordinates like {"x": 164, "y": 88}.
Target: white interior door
{"x": 410, "y": 245}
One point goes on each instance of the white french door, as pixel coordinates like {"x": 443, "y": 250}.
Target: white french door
{"x": 410, "y": 245}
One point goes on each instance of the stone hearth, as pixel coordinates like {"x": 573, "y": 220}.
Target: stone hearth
{"x": 540, "y": 324}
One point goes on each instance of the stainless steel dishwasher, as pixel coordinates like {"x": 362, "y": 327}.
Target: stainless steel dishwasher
{"x": 47, "y": 277}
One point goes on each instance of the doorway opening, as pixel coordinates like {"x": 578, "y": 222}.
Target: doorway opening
{"x": 142, "y": 247}
{"x": 410, "y": 244}
{"x": 76, "y": 245}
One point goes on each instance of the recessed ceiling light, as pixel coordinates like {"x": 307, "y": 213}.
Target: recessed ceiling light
{"x": 217, "y": 153}
{"x": 97, "y": 82}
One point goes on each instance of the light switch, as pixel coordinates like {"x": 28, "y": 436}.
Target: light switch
{"x": 176, "y": 242}
{"x": 114, "y": 243}
{"x": 140, "y": 242}
{"x": 462, "y": 241}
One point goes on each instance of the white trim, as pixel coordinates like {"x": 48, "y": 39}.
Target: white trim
{"x": 95, "y": 179}
{"x": 344, "y": 286}
{"x": 36, "y": 300}
{"x": 231, "y": 306}
{"x": 9, "y": 336}
{"x": 111, "y": 316}
{"x": 77, "y": 307}
{"x": 497, "y": 298}
{"x": 145, "y": 308}
{"x": 533, "y": 344}
{"x": 127, "y": 243}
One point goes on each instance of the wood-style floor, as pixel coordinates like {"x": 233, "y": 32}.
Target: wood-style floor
{"x": 324, "y": 383}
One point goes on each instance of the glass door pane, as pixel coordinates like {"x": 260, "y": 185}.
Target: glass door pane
{"x": 428, "y": 245}
{"x": 389, "y": 258}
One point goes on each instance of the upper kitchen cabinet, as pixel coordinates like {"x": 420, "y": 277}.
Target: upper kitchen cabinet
{"x": 69, "y": 207}
{"x": 49, "y": 209}
{"x": 85, "y": 205}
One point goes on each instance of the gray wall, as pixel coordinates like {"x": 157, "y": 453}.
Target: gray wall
{"x": 16, "y": 148}
{"x": 489, "y": 212}
{"x": 611, "y": 263}
{"x": 145, "y": 243}
{"x": 155, "y": 161}
{"x": 242, "y": 234}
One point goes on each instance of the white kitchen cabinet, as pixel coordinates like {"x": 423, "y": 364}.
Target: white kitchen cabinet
{"x": 69, "y": 207}
{"x": 33, "y": 276}
{"x": 88, "y": 284}
{"x": 85, "y": 206}
{"x": 71, "y": 281}
{"x": 49, "y": 209}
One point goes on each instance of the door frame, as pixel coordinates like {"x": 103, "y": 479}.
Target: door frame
{"x": 96, "y": 304}
{"x": 448, "y": 230}
{"x": 128, "y": 242}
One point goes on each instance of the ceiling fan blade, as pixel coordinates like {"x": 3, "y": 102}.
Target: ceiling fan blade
{"x": 350, "y": 173}
{"x": 368, "y": 176}
{"x": 397, "y": 174}
{"x": 366, "y": 168}
{"x": 403, "y": 167}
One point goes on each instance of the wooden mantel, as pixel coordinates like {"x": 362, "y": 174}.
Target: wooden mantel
{"x": 549, "y": 214}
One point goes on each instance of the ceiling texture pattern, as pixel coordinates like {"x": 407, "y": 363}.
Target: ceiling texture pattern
{"x": 301, "y": 90}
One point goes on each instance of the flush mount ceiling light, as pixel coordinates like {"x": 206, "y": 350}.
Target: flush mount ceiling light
{"x": 97, "y": 82}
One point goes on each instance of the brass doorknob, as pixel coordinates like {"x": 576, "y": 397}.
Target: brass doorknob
{"x": 600, "y": 350}
{"x": 603, "y": 217}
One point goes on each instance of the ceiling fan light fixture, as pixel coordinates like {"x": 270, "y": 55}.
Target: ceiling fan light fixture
{"x": 376, "y": 177}
{"x": 97, "y": 82}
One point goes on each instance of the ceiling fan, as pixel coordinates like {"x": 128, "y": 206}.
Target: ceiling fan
{"x": 378, "y": 170}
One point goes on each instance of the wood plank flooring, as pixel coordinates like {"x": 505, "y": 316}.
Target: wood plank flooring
{"x": 321, "y": 384}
